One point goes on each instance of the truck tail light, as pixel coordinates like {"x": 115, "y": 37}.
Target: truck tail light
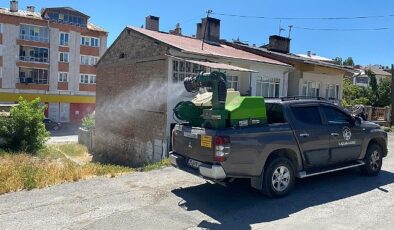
{"x": 222, "y": 148}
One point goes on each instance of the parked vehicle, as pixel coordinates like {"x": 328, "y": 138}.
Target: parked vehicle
{"x": 51, "y": 125}
{"x": 302, "y": 138}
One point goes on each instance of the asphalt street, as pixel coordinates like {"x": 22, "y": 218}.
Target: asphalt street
{"x": 171, "y": 199}
{"x": 68, "y": 133}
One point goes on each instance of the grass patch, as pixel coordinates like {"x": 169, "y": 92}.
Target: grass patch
{"x": 23, "y": 171}
{"x": 159, "y": 165}
{"x": 56, "y": 164}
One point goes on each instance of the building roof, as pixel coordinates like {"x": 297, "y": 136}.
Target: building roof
{"x": 315, "y": 57}
{"x": 38, "y": 16}
{"x": 289, "y": 57}
{"x": 64, "y": 8}
{"x": 193, "y": 46}
{"x": 215, "y": 65}
{"x": 378, "y": 71}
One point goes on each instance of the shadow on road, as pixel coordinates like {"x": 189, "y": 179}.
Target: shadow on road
{"x": 238, "y": 206}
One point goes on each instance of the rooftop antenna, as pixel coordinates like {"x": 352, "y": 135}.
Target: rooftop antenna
{"x": 290, "y": 27}
{"x": 205, "y": 28}
{"x": 280, "y": 27}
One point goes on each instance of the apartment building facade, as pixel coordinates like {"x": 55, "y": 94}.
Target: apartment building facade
{"x": 52, "y": 55}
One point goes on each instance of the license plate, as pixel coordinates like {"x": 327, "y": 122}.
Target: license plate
{"x": 206, "y": 141}
{"x": 193, "y": 163}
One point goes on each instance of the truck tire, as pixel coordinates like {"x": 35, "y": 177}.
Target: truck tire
{"x": 279, "y": 178}
{"x": 373, "y": 160}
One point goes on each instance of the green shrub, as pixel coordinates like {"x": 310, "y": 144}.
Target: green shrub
{"x": 88, "y": 122}
{"x": 24, "y": 129}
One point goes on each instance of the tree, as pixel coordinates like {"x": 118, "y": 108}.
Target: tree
{"x": 373, "y": 88}
{"x": 24, "y": 129}
{"x": 384, "y": 93}
{"x": 353, "y": 94}
{"x": 337, "y": 60}
{"x": 348, "y": 61}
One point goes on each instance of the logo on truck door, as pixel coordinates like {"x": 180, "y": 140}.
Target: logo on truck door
{"x": 347, "y": 133}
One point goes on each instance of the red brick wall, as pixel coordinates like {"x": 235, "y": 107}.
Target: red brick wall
{"x": 87, "y": 87}
{"x": 62, "y": 85}
{"x": 31, "y": 86}
{"x": 121, "y": 138}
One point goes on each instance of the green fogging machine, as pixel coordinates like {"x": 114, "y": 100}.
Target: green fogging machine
{"x": 219, "y": 108}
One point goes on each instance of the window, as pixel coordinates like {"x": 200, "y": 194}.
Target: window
{"x": 92, "y": 79}
{"x": 87, "y": 79}
{"x": 232, "y": 82}
{"x": 181, "y": 69}
{"x": 63, "y": 77}
{"x": 33, "y": 54}
{"x": 307, "y": 114}
{"x": 333, "y": 115}
{"x": 84, "y": 79}
{"x": 88, "y": 60}
{"x": 275, "y": 113}
{"x": 310, "y": 88}
{"x": 1, "y": 28}
{"x": 67, "y": 19}
{"x": 1, "y": 72}
{"x": 63, "y": 57}
{"x": 35, "y": 76}
{"x": 34, "y": 33}
{"x": 64, "y": 37}
{"x": 89, "y": 41}
{"x": 267, "y": 87}
{"x": 332, "y": 91}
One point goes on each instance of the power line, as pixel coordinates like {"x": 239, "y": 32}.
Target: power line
{"x": 304, "y": 18}
{"x": 343, "y": 30}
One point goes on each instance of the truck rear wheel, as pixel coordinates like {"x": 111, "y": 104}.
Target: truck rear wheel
{"x": 279, "y": 178}
{"x": 373, "y": 160}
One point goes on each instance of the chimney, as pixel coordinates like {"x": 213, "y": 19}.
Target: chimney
{"x": 211, "y": 28}
{"x": 279, "y": 44}
{"x": 152, "y": 23}
{"x": 14, "y": 6}
{"x": 177, "y": 30}
{"x": 31, "y": 9}
{"x": 309, "y": 53}
{"x": 198, "y": 32}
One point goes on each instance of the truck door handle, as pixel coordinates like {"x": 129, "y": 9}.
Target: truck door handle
{"x": 334, "y": 134}
{"x": 304, "y": 135}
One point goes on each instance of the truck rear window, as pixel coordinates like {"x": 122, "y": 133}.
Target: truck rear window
{"x": 275, "y": 113}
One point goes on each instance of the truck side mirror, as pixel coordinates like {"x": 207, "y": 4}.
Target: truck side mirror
{"x": 357, "y": 121}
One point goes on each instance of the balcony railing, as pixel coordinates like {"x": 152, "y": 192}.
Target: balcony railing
{"x": 33, "y": 38}
{"x": 29, "y": 80}
{"x": 34, "y": 59}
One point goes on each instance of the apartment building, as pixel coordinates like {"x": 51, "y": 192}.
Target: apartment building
{"x": 50, "y": 54}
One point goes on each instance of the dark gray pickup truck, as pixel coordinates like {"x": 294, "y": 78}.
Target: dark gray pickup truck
{"x": 302, "y": 138}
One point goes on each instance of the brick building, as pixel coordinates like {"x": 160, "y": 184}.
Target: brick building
{"x": 140, "y": 79}
{"x": 52, "y": 55}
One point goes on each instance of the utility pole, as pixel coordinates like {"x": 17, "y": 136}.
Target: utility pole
{"x": 205, "y": 28}
{"x": 392, "y": 95}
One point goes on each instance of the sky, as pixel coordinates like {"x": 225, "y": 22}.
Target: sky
{"x": 365, "y": 47}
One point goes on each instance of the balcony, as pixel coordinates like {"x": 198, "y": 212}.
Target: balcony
{"x": 34, "y": 59}
{"x": 33, "y": 38}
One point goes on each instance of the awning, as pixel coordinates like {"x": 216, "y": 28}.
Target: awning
{"x": 216, "y": 65}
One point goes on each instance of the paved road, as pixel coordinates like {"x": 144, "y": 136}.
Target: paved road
{"x": 170, "y": 199}
{"x": 66, "y": 134}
